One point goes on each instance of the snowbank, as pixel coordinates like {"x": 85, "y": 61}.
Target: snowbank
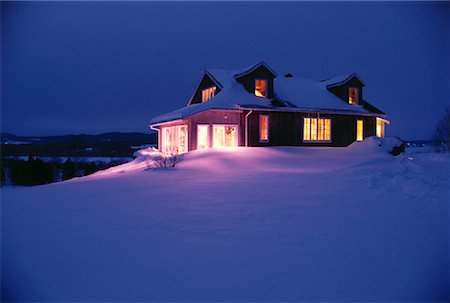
{"x": 253, "y": 224}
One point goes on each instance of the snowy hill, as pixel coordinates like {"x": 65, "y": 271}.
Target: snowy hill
{"x": 273, "y": 224}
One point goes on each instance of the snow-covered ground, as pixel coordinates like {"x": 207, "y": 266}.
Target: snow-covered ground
{"x": 273, "y": 224}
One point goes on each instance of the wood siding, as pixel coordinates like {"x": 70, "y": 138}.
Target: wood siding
{"x": 287, "y": 129}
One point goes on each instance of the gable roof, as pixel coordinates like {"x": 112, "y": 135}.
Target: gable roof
{"x": 296, "y": 94}
{"x": 342, "y": 79}
{"x": 249, "y": 70}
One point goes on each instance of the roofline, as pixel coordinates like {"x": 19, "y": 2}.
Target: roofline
{"x": 346, "y": 80}
{"x": 244, "y": 73}
{"x": 187, "y": 116}
{"x": 205, "y": 72}
{"x": 313, "y": 110}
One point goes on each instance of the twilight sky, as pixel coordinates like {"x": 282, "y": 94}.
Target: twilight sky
{"x": 92, "y": 67}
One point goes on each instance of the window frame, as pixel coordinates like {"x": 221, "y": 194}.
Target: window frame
{"x": 356, "y": 97}
{"x": 261, "y": 116}
{"x": 267, "y": 87}
{"x": 317, "y": 130}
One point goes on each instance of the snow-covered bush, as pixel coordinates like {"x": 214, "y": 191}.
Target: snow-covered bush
{"x": 156, "y": 159}
{"x": 392, "y": 145}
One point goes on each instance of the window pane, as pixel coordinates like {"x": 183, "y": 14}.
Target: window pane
{"x": 182, "y": 139}
{"x": 230, "y": 136}
{"x": 208, "y": 93}
{"x": 263, "y": 128}
{"x": 352, "y": 95}
{"x": 359, "y": 130}
{"x": 218, "y": 136}
{"x": 327, "y": 135}
{"x": 202, "y": 136}
{"x": 313, "y": 128}
{"x": 260, "y": 87}
{"x": 306, "y": 129}
{"x": 321, "y": 129}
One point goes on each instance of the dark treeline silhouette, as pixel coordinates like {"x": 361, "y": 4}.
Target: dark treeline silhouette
{"x": 36, "y": 171}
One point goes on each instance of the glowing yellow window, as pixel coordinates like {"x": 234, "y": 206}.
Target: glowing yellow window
{"x": 380, "y": 128}
{"x": 317, "y": 129}
{"x": 359, "y": 130}
{"x": 261, "y": 87}
{"x": 353, "y": 95}
{"x": 263, "y": 128}
{"x": 208, "y": 93}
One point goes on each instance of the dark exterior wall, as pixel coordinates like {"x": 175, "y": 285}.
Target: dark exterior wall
{"x": 287, "y": 129}
{"x": 342, "y": 90}
{"x": 206, "y": 82}
{"x": 248, "y": 81}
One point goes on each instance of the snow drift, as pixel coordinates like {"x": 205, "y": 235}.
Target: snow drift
{"x": 254, "y": 224}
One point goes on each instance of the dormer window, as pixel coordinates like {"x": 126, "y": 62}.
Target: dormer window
{"x": 208, "y": 93}
{"x": 261, "y": 88}
{"x": 352, "y": 95}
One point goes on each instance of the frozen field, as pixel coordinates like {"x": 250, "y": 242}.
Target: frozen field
{"x": 260, "y": 224}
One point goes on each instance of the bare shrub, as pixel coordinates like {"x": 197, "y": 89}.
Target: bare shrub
{"x": 441, "y": 135}
{"x": 165, "y": 160}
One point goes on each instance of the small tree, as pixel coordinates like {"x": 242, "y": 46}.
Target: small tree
{"x": 441, "y": 135}
{"x": 68, "y": 170}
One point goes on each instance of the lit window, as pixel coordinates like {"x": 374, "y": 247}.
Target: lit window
{"x": 208, "y": 93}
{"x": 261, "y": 87}
{"x": 224, "y": 136}
{"x": 359, "y": 130}
{"x": 202, "y": 136}
{"x": 174, "y": 139}
{"x": 380, "y": 128}
{"x": 317, "y": 129}
{"x": 263, "y": 128}
{"x": 353, "y": 95}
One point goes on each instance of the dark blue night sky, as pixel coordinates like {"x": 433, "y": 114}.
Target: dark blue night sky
{"x": 92, "y": 67}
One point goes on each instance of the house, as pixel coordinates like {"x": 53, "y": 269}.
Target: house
{"x": 258, "y": 107}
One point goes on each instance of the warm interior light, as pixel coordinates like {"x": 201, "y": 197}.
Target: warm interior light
{"x": 174, "y": 139}
{"x": 316, "y": 129}
{"x": 263, "y": 128}
{"x": 208, "y": 93}
{"x": 380, "y": 128}
{"x": 261, "y": 87}
{"x": 202, "y": 136}
{"x": 353, "y": 95}
{"x": 359, "y": 130}
{"x": 224, "y": 136}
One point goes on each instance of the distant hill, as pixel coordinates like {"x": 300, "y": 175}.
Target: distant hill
{"x": 7, "y": 138}
{"x": 107, "y": 144}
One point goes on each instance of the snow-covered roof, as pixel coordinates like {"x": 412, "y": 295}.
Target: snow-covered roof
{"x": 338, "y": 80}
{"x": 250, "y": 69}
{"x": 296, "y": 94}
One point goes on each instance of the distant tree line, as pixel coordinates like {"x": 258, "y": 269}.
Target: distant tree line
{"x": 36, "y": 171}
